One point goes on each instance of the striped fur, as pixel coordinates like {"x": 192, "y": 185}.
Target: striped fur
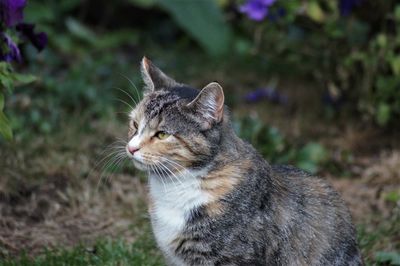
{"x": 216, "y": 201}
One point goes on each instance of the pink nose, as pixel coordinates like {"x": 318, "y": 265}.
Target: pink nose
{"x": 132, "y": 150}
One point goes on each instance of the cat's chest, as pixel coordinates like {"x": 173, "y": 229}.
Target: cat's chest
{"x": 171, "y": 207}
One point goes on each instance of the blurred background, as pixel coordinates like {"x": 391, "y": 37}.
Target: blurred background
{"x": 312, "y": 83}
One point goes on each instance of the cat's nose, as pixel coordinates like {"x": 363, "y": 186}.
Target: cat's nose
{"x": 132, "y": 149}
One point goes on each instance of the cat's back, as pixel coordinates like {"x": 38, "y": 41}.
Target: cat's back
{"x": 313, "y": 220}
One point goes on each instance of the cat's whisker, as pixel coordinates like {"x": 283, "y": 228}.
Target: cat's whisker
{"x": 116, "y": 166}
{"x": 169, "y": 175}
{"x": 130, "y": 106}
{"x": 172, "y": 173}
{"x": 112, "y": 145}
{"x": 156, "y": 162}
{"x": 116, "y": 157}
{"x": 113, "y": 151}
{"x": 182, "y": 186}
{"x": 133, "y": 85}
{"x": 122, "y": 113}
{"x": 161, "y": 177}
{"x": 126, "y": 93}
{"x": 183, "y": 168}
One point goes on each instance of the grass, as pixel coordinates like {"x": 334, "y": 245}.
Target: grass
{"x": 104, "y": 252}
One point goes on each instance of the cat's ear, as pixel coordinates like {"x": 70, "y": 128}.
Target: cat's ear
{"x": 154, "y": 78}
{"x": 209, "y": 104}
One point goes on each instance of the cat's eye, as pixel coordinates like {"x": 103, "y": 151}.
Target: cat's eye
{"x": 133, "y": 127}
{"x": 162, "y": 135}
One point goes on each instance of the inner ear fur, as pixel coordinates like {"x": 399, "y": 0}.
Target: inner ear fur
{"x": 209, "y": 103}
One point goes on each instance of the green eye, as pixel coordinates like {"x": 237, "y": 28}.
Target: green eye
{"x": 162, "y": 135}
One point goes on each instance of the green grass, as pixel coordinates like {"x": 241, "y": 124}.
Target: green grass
{"x": 380, "y": 245}
{"x": 105, "y": 252}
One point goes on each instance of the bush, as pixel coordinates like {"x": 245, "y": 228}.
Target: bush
{"x": 349, "y": 46}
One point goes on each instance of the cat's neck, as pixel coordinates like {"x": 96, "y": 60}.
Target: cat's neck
{"x": 231, "y": 147}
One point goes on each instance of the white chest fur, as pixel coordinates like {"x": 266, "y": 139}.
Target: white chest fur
{"x": 172, "y": 203}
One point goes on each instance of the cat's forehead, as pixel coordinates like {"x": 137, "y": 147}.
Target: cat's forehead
{"x": 154, "y": 103}
{"x": 163, "y": 99}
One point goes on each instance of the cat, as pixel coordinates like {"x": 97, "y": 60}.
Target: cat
{"x": 214, "y": 200}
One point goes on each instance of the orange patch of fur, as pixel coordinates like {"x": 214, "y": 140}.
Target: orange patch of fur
{"x": 220, "y": 182}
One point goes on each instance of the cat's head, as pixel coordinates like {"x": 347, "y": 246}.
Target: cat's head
{"x": 174, "y": 125}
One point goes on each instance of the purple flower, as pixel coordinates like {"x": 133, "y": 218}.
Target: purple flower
{"x": 256, "y": 9}
{"x": 346, "y": 6}
{"x": 9, "y": 51}
{"x": 39, "y": 40}
{"x": 269, "y": 94}
{"x": 11, "y": 12}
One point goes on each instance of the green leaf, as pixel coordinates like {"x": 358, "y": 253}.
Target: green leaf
{"x": 117, "y": 38}
{"x": 315, "y": 12}
{"x": 397, "y": 12}
{"x": 382, "y": 40}
{"x": 80, "y": 31}
{"x": 5, "y": 128}
{"x": 1, "y": 101}
{"x": 393, "y": 196}
{"x": 310, "y": 156}
{"x": 39, "y": 13}
{"x": 307, "y": 166}
{"x": 6, "y": 76}
{"x": 314, "y": 152}
{"x": 203, "y": 20}
{"x": 395, "y": 63}
{"x": 383, "y": 114}
{"x": 23, "y": 79}
{"x": 391, "y": 257}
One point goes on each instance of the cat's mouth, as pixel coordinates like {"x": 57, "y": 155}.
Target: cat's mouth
{"x": 139, "y": 165}
{"x": 137, "y": 160}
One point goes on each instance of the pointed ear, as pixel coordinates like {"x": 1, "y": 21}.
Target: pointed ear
{"x": 154, "y": 78}
{"x": 209, "y": 104}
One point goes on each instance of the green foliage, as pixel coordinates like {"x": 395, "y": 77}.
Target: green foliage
{"x": 5, "y": 129}
{"x": 311, "y": 156}
{"x": 9, "y": 79}
{"x": 141, "y": 252}
{"x": 357, "y": 55}
{"x": 203, "y": 20}
{"x": 380, "y": 245}
{"x": 275, "y": 148}
{"x": 393, "y": 258}
{"x": 393, "y": 196}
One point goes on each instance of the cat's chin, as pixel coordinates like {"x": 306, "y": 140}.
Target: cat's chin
{"x": 139, "y": 165}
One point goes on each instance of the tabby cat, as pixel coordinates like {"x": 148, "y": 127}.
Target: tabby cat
{"x": 214, "y": 200}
